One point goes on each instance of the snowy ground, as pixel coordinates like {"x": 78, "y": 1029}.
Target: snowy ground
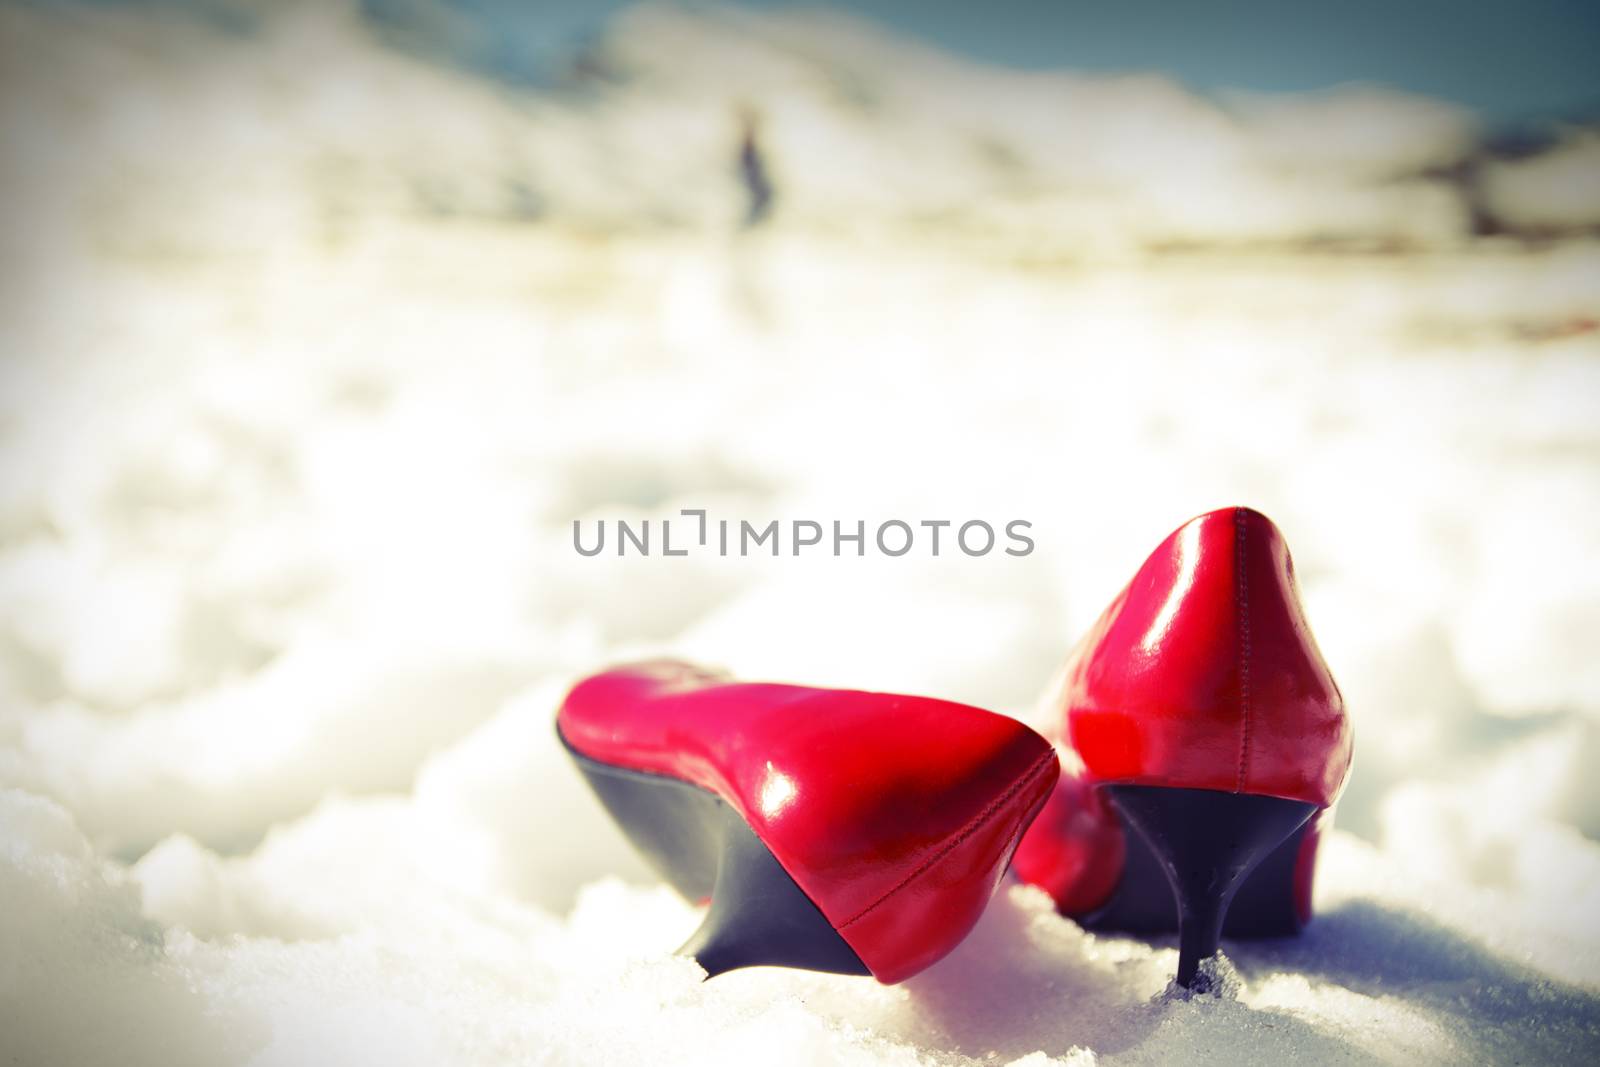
{"x": 311, "y": 351}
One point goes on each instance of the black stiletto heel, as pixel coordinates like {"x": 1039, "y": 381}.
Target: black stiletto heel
{"x": 1207, "y": 842}
{"x": 758, "y": 916}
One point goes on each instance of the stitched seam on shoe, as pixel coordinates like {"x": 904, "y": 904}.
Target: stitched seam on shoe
{"x": 967, "y": 831}
{"x": 1242, "y": 609}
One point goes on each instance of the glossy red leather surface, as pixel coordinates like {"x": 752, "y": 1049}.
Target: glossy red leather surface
{"x": 1075, "y": 848}
{"x": 1203, "y": 673}
{"x": 895, "y": 814}
{"x": 1305, "y": 864}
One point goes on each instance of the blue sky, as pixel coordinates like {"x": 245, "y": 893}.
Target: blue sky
{"x": 1509, "y": 59}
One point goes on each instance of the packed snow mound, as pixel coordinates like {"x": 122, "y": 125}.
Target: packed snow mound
{"x": 312, "y": 351}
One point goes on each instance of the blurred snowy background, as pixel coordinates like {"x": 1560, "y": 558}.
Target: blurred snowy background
{"x": 318, "y": 330}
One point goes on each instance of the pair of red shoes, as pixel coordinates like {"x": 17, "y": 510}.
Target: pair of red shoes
{"x": 864, "y": 833}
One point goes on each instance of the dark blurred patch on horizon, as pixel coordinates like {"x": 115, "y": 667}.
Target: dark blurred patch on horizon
{"x": 1510, "y": 60}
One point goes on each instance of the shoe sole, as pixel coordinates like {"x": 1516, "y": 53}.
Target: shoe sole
{"x": 701, "y": 845}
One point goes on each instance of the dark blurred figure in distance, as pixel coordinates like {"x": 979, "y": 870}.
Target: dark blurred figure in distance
{"x": 753, "y": 169}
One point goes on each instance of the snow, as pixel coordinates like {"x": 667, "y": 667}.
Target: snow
{"x": 312, "y": 350}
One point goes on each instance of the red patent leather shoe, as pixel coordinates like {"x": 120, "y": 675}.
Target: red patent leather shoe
{"x": 1209, "y": 746}
{"x": 833, "y": 830}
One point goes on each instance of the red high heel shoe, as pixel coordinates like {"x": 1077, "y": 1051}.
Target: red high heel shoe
{"x": 832, "y": 830}
{"x": 1204, "y": 721}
